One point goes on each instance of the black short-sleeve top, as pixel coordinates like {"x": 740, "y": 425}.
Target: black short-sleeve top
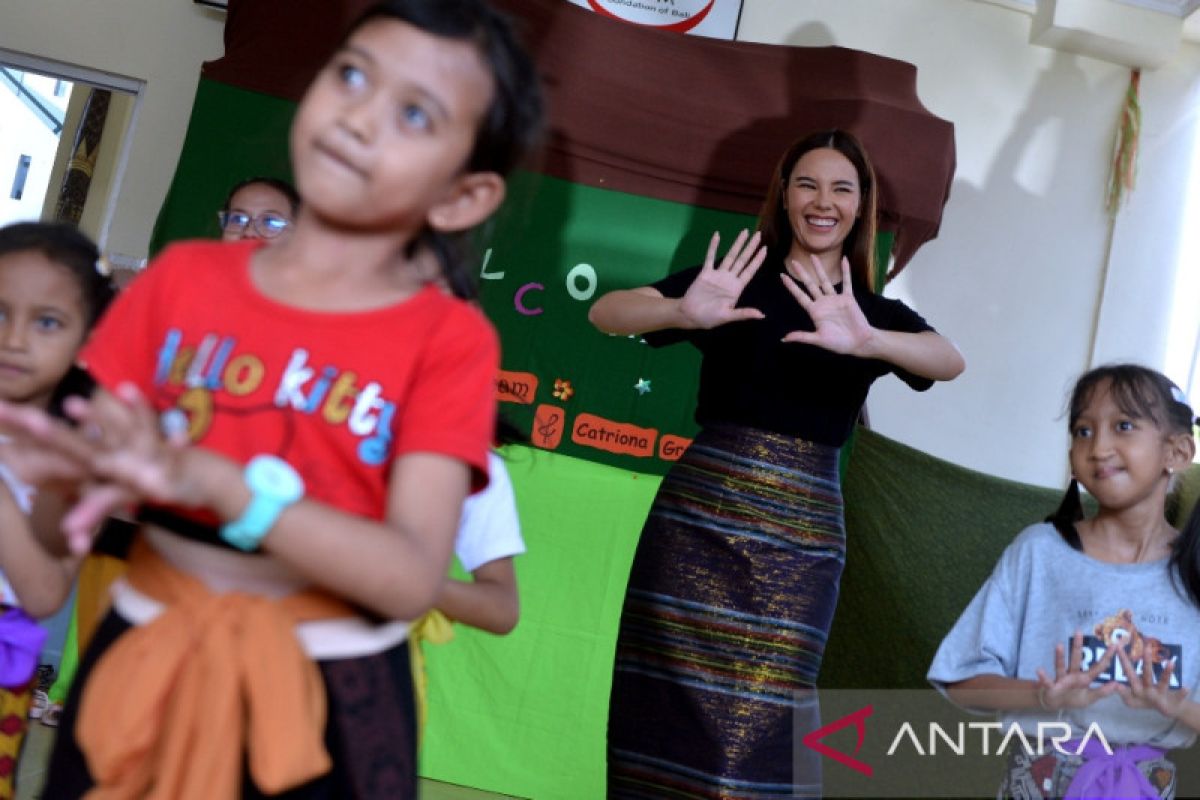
{"x": 748, "y": 376}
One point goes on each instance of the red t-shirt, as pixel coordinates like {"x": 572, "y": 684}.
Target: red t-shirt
{"x": 336, "y": 395}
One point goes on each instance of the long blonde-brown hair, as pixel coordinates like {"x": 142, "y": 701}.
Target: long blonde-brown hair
{"x": 776, "y": 226}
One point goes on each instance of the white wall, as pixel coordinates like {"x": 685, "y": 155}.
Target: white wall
{"x": 1145, "y": 310}
{"x": 1020, "y": 275}
{"x": 159, "y": 42}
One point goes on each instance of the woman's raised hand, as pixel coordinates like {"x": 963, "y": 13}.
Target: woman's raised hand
{"x": 712, "y": 298}
{"x": 839, "y": 322}
{"x": 1071, "y": 686}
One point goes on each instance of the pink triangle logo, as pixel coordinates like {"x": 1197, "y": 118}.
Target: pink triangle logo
{"x": 857, "y": 719}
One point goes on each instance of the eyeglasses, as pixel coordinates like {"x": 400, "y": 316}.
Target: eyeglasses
{"x": 268, "y": 224}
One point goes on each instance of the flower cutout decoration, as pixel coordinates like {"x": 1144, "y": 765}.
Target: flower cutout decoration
{"x": 563, "y": 389}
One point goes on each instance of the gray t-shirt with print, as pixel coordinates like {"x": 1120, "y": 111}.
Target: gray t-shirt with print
{"x": 1040, "y": 593}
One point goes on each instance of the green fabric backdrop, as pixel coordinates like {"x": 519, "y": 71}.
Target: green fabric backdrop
{"x": 525, "y": 714}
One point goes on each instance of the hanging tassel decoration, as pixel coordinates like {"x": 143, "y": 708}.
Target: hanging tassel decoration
{"x": 1125, "y": 149}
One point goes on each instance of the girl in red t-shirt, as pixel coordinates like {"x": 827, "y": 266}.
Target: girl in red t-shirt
{"x": 286, "y": 669}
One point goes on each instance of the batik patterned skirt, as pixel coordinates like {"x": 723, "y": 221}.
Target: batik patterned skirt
{"x": 729, "y": 604}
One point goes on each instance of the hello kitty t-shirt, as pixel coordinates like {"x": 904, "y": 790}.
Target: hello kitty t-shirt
{"x": 337, "y": 395}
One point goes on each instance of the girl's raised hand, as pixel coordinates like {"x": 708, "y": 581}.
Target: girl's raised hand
{"x": 1072, "y": 685}
{"x": 129, "y": 456}
{"x": 839, "y": 322}
{"x": 712, "y": 298}
{"x": 47, "y": 453}
{"x": 1144, "y": 691}
{"x": 31, "y": 448}
{"x": 127, "y": 446}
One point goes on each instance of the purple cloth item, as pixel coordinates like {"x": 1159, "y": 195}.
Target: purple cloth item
{"x": 1110, "y": 776}
{"x": 21, "y": 640}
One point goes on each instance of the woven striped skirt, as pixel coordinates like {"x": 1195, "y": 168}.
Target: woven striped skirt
{"x": 730, "y": 600}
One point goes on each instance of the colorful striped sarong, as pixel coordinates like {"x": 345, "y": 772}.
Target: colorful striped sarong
{"x": 730, "y": 600}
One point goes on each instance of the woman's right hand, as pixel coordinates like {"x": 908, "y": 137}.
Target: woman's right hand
{"x": 1072, "y": 685}
{"x": 712, "y": 298}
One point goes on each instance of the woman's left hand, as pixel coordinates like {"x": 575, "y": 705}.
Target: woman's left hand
{"x": 1144, "y": 691}
{"x": 840, "y": 324}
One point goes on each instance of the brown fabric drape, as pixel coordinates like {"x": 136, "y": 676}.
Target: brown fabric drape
{"x": 704, "y": 121}
{"x": 682, "y": 118}
{"x": 277, "y": 46}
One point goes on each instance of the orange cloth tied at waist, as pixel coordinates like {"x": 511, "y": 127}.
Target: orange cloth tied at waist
{"x": 173, "y": 704}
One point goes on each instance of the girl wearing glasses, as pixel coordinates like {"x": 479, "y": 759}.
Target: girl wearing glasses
{"x": 258, "y": 208}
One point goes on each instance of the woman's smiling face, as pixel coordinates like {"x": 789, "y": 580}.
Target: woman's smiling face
{"x": 823, "y": 199}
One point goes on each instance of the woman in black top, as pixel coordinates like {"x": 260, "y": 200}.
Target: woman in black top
{"x": 736, "y": 574}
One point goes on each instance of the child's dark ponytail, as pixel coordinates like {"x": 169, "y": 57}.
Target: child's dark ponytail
{"x": 508, "y": 433}
{"x": 78, "y": 382}
{"x": 451, "y": 253}
{"x": 1185, "y": 557}
{"x": 1069, "y": 511}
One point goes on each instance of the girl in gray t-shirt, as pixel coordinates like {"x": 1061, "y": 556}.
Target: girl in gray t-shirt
{"x": 1095, "y": 622}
